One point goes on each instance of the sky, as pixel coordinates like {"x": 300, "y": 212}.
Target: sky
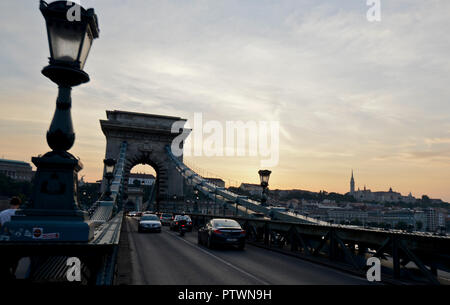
{"x": 347, "y": 93}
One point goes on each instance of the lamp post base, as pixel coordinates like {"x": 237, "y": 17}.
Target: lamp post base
{"x": 53, "y": 213}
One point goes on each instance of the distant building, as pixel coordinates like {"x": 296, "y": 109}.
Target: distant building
{"x": 144, "y": 179}
{"x": 136, "y": 197}
{"x": 216, "y": 181}
{"x": 253, "y": 189}
{"x": 396, "y": 216}
{"x": 344, "y": 215}
{"x": 434, "y": 219}
{"x": 16, "y": 170}
{"x": 368, "y": 195}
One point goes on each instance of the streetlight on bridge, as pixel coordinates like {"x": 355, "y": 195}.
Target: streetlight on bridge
{"x": 196, "y": 198}
{"x": 264, "y": 176}
{"x": 54, "y": 212}
{"x": 109, "y": 175}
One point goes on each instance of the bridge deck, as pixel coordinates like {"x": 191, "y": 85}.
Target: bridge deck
{"x": 166, "y": 258}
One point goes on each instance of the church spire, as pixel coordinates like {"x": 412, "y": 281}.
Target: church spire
{"x": 352, "y": 184}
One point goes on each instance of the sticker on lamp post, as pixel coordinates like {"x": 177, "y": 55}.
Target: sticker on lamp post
{"x": 37, "y": 233}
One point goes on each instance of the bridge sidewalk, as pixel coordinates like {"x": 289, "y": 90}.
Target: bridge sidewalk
{"x": 124, "y": 267}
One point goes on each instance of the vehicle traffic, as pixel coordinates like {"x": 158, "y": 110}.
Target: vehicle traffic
{"x": 149, "y": 223}
{"x": 182, "y": 223}
{"x": 222, "y": 232}
{"x": 166, "y": 218}
{"x": 175, "y": 223}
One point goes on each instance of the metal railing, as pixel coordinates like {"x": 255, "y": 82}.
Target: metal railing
{"x": 410, "y": 257}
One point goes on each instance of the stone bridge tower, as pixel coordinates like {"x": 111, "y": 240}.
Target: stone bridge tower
{"x": 146, "y": 135}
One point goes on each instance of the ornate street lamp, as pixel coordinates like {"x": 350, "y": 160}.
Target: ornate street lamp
{"x": 109, "y": 175}
{"x": 264, "y": 176}
{"x": 196, "y": 198}
{"x": 53, "y": 212}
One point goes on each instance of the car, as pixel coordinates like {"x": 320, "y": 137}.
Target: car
{"x": 132, "y": 214}
{"x": 222, "y": 232}
{"x": 174, "y": 223}
{"x": 166, "y": 218}
{"x": 149, "y": 223}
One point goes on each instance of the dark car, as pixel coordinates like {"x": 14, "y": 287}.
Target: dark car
{"x": 222, "y": 232}
{"x": 166, "y": 218}
{"x": 174, "y": 225}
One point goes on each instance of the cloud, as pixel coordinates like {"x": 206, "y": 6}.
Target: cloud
{"x": 345, "y": 91}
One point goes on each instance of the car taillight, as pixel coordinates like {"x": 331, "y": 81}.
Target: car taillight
{"x": 182, "y": 225}
{"x": 176, "y": 223}
{"x": 243, "y": 232}
{"x": 190, "y": 223}
{"x": 218, "y": 232}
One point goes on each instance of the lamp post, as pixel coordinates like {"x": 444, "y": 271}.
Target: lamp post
{"x": 109, "y": 175}
{"x": 196, "y": 200}
{"x": 264, "y": 176}
{"x": 215, "y": 202}
{"x": 54, "y": 212}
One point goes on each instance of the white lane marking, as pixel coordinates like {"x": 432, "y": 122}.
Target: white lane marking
{"x": 221, "y": 260}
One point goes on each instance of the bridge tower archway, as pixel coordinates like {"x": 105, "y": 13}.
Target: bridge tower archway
{"x": 146, "y": 135}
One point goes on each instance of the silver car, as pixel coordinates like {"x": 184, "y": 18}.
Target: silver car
{"x": 149, "y": 223}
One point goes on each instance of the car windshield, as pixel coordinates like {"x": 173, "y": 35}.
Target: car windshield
{"x": 181, "y": 217}
{"x": 149, "y": 217}
{"x": 226, "y": 223}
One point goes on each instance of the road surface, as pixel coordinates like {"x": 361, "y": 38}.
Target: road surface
{"x": 167, "y": 259}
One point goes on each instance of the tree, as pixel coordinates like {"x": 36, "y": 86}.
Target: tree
{"x": 426, "y": 199}
{"x": 356, "y": 222}
{"x": 10, "y": 187}
{"x": 88, "y": 194}
{"x": 419, "y": 225}
{"x": 401, "y": 225}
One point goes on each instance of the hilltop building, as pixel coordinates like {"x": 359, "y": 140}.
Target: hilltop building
{"x": 380, "y": 196}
